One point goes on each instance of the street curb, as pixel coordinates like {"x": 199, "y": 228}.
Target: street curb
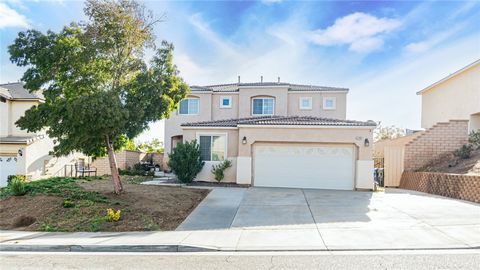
{"x": 105, "y": 248}
{"x": 181, "y": 248}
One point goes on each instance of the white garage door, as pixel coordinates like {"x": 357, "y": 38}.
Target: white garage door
{"x": 8, "y": 166}
{"x": 304, "y": 166}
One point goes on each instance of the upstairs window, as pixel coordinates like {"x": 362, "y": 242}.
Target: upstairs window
{"x": 305, "y": 103}
{"x": 263, "y": 106}
{"x": 329, "y": 103}
{"x": 225, "y": 102}
{"x": 189, "y": 106}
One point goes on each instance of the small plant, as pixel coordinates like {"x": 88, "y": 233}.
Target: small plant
{"x": 16, "y": 184}
{"x": 48, "y": 228}
{"x": 113, "y": 216}
{"x": 68, "y": 203}
{"x": 18, "y": 177}
{"x": 474, "y": 139}
{"x": 185, "y": 161}
{"x": 219, "y": 169}
{"x": 464, "y": 152}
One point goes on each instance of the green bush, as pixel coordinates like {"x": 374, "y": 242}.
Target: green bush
{"x": 137, "y": 169}
{"x": 185, "y": 161}
{"x": 219, "y": 169}
{"x": 474, "y": 139}
{"x": 16, "y": 184}
{"x": 19, "y": 177}
{"x": 464, "y": 152}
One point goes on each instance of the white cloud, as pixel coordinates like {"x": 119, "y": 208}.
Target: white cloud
{"x": 269, "y": 2}
{"x": 363, "y": 32}
{"x": 425, "y": 45}
{"x": 11, "y": 18}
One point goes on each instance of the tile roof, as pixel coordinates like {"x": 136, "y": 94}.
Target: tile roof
{"x": 234, "y": 87}
{"x": 21, "y": 139}
{"x": 281, "y": 120}
{"x": 17, "y": 91}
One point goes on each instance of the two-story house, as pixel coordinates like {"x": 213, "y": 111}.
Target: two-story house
{"x": 276, "y": 134}
{"x": 21, "y": 152}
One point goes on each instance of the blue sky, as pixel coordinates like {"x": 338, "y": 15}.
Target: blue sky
{"x": 383, "y": 51}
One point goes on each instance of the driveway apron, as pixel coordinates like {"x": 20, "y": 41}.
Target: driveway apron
{"x": 215, "y": 212}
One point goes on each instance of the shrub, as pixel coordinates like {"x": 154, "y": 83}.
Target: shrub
{"x": 19, "y": 177}
{"x": 113, "y": 216}
{"x": 474, "y": 139}
{"x": 219, "y": 169}
{"x": 464, "y": 152}
{"x": 137, "y": 169}
{"x": 185, "y": 161}
{"x": 16, "y": 184}
{"x": 68, "y": 203}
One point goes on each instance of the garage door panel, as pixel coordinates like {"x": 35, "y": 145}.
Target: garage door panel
{"x": 301, "y": 166}
{"x": 8, "y": 166}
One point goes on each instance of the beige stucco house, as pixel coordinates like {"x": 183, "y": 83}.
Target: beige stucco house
{"x": 455, "y": 97}
{"x": 22, "y": 152}
{"x": 450, "y": 110}
{"x": 276, "y": 135}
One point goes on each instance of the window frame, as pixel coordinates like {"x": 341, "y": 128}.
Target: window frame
{"x": 334, "y": 107}
{"x": 263, "y": 98}
{"x": 188, "y": 108}
{"x": 225, "y": 155}
{"x": 300, "y": 104}
{"x": 229, "y": 102}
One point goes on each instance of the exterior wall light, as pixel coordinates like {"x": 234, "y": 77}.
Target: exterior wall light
{"x": 20, "y": 152}
{"x": 244, "y": 140}
{"x": 366, "y": 142}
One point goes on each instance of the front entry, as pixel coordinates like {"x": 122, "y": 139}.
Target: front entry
{"x": 322, "y": 166}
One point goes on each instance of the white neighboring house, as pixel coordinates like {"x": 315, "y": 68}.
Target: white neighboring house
{"x": 22, "y": 152}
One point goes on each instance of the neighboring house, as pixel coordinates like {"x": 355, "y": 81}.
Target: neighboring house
{"x": 276, "y": 135}
{"x": 22, "y": 152}
{"x": 450, "y": 109}
{"x": 455, "y": 97}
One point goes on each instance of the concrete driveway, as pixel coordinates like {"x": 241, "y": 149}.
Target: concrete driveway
{"x": 259, "y": 217}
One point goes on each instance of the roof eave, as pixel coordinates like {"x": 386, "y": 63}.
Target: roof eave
{"x": 448, "y": 77}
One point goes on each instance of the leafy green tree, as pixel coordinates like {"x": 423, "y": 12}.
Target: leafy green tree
{"x": 153, "y": 146}
{"x": 98, "y": 88}
{"x": 387, "y": 132}
{"x": 185, "y": 161}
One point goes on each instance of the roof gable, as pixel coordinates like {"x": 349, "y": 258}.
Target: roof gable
{"x": 16, "y": 91}
{"x": 456, "y": 73}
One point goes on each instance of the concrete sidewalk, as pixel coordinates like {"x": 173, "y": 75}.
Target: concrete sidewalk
{"x": 220, "y": 240}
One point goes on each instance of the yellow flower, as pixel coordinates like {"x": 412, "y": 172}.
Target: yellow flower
{"x": 113, "y": 216}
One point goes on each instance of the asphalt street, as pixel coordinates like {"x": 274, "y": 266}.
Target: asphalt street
{"x": 440, "y": 259}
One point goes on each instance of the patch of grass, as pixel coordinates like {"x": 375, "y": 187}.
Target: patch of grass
{"x": 64, "y": 187}
{"x": 96, "y": 223}
{"x": 48, "y": 228}
{"x": 136, "y": 179}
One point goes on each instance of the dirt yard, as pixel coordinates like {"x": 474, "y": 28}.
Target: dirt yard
{"x": 451, "y": 164}
{"x": 142, "y": 207}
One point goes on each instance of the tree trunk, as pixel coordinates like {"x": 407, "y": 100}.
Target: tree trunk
{"x": 117, "y": 184}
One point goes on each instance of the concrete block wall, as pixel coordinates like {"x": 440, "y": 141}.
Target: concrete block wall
{"x": 436, "y": 141}
{"x": 458, "y": 186}
{"x": 125, "y": 159}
